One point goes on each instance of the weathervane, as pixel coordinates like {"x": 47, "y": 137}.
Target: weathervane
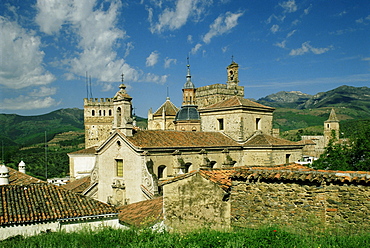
{"x": 232, "y": 58}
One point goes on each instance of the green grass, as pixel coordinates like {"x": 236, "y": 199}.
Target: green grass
{"x": 263, "y": 237}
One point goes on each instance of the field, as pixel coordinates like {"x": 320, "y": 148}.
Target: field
{"x": 263, "y": 237}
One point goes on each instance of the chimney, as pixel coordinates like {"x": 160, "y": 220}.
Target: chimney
{"x": 4, "y": 175}
{"x": 22, "y": 167}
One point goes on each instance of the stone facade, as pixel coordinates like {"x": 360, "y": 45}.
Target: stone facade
{"x": 194, "y": 203}
{"x": 301, "y": 204}
{"x": 287, "y": 195}
{"x": 98, "y": 119}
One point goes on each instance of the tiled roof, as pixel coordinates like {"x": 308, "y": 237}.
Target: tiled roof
{"x": 90, "y": 150}
{"x": 142, "y": 213}
{"x": 78, "y": 185}
{"x": 236, "y": 101}
{"x": 180, "y": 139}
{"x": 306, "y": 142}
{"x": 19, "y": 178}
{"x": 221, "y": 177}
{"x": 45, "y": 202}
{"x": 268, "y": 140}
{"x": 286, "y": 172}
{"x": 168, "y": 107}
{"x": 307, "y": 175}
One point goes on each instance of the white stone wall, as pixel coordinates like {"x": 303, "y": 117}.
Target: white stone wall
{"x": 81, "y": 165}
{"x": 233, "y": 119}
{"x": 132, "y": 173}
{"x": 35, "y": 229}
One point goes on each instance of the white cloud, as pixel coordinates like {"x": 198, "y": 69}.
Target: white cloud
{"x": 95, "y": 28}
{"x": 289, "y": 6}
{"x": 307, "y": 10}
{"x": 150, "y": 77}
{"x": 43, "y": 91}
{"x": 195, "y": 49}
{"x": 222, "y": 24}
{"x": 175, "y": 18}
{"x": 21, "y": 57}
{"x": 274, "y": 28}
{"x": 152, "y": 59}
{"x": 291, "y": 33}
{"x": 190, "y": 38}
{"x": 27, "y": 103}
{"x": 129, "y": 47}
{"x": 306, "y": 47}
{"x": 168, "y": 62}
{"x": 281, "y": 44}
{"x": 224, "y": 49}
{"x": 273, "y": 16}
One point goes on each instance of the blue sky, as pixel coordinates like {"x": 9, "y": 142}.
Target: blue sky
{"x": 47, "y": 46}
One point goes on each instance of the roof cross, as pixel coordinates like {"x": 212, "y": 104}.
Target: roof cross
{"x": 122, "y": 75}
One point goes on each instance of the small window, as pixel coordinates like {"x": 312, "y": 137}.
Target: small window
{"x": 287, "y": 158}
{"x": 258, "y": 123}
{"x": 162, "y": 172}
{"x": 99, "y": 112}
{"x": 93, "y": 112}
{"x": 119, "y": 167}
{"x": 220, "y": 124}
{"x": 110, "y": 112}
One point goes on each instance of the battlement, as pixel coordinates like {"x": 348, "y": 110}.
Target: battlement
{"x": 98, "y": 101}
{"x": 219, "y": 89}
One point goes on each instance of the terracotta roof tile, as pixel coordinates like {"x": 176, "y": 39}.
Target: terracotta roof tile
{"x": 45, "y": 202}
{"x": 290, "y": 172}
{"x": 78, "y": 185}
{"x": 19, "y": 178}
{"x": 267, "y": 140}
{"x": 168, "y": 107}
{"x": 236, "y": 101}
{"x": 142, "y": 213}
{"x": 90, "y": 150}
{"x": 180, "y": 139}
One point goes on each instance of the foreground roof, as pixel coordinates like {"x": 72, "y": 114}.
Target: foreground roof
{"x": 90, "y": 150}
{"x": 142, "y": 213}
{"x": 36, "y": 203}
{"x": 180, "y": 139}
{"x": 286, "y": 172}
{"x": 19, "y": 178}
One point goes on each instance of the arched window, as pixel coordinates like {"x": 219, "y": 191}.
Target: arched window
{"x": 99, "y": 112}
{"x": 93, "y": 112}
{"x": 187, "y": 167}
{"x": 110, "y": 112}
{"x": 118, "y": 117}
{"x": 104, "y": 112}
{"x": 162, "y": 172}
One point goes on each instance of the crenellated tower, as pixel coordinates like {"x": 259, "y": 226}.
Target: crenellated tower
{"x": 98, "y": 118}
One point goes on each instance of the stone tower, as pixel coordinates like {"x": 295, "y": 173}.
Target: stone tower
{"x": 212, "y": 94}
{"x": 331, "y": 125}
{"x": 98, "y": 118}
{"x": 232, "y": 75}
{"x": 123, "y": 111}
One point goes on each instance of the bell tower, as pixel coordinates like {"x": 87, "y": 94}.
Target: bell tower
{"x": 331, "y": 125}
{"x": 232, "y": 74}
{"x": 122, "y": 108}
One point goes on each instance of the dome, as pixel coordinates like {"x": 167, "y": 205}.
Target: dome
{"x": 187, "y": 113}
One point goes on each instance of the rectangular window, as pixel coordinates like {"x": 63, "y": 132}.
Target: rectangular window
{"x": 220, "y": 124}
{"x": 287, "y": 158}
{"x": 258, "y": 124}
{"x": 119, "y": 167}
